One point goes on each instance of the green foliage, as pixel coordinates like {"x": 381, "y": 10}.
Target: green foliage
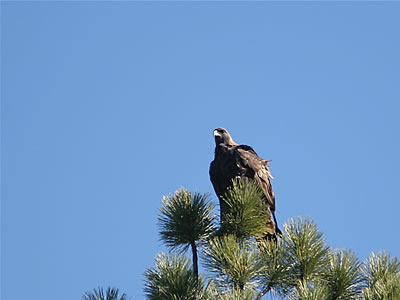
{"x": 276, "y": 272}
{"x": 172, "y": 278}
{"x": 306, "y": 251}
{"x": 343, "y": 278}
{"x": 230, "y": 293}
{"x": 247, "y": 211}
{"x": 98, "y": 294}
{"x": 308, "y": 291}
{"x": 382, "y": 274}
{"x": 243, "y": 266}
{"x": 185, "y": 218}
{"x": 236, "y": 263}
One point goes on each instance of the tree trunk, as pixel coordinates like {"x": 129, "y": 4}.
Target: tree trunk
{"x": 195, "y": 263}
{"x": 266, "y": 290}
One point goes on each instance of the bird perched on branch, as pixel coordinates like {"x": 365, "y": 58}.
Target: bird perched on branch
{"x": 241, "y": 161}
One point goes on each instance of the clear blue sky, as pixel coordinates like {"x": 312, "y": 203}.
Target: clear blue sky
{"x": 106, "y": 107}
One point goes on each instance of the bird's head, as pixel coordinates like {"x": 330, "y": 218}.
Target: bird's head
{"x": 222, "y": 136}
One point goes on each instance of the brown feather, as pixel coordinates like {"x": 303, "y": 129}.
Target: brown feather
{"x": 232, "y": 161}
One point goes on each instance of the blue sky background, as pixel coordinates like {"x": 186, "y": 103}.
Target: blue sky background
{"x": 106, "y": 107}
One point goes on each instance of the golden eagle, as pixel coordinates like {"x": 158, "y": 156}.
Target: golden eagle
{"x": 241, "y": 161}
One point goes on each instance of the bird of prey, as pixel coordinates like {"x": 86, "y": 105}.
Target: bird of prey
{"x": 241, "y": 161}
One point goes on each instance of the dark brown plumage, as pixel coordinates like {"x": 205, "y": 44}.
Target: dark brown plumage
{"x": 233, "y": 161}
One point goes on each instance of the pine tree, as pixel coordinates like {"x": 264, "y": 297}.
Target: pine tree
{"x": 241, "y": 265}
{"x": 98, "y": 294}
{"x": 186, "y": 220}
{"x": 382, "y": 277}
